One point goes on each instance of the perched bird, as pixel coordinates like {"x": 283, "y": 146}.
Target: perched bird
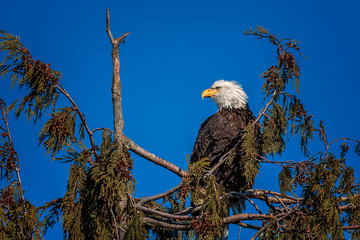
{"x": 220, "y": 133}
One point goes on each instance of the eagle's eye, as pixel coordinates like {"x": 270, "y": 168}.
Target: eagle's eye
{"x": 217, "y": 88}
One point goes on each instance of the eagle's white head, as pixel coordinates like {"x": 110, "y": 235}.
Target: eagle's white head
{"x": 226, "y": 94}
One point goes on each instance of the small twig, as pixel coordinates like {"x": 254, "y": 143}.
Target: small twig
{"x": 239, "y": 234}
{"x": 98, "y": 129}
{"x": 255, "y": 206}
{"x": 351, "y": 227}
{"x": 342, "y": 138}
{"x": 161, "y": 195}
{"x": 190, "y": 210}
{"x": 113, "y": 218}
{"x": 282, "y": 203}
{"x": 259, "y": 232}
{"x": 246, "y": 225}
{"x": 263, "y": 111}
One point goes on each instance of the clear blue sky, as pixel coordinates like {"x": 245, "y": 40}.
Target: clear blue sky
{"x": 177, "y": 49}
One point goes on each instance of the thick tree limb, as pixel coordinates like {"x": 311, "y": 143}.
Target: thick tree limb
{"x": 164, "y": 214}
{"x": 116, "y": 83}
{"x": 247, "y": 216}
{"x": 117, "y": 107}
{"x": 153, "y": 158}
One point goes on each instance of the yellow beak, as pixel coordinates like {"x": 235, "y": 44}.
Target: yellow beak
{"x": 209, "y": 92}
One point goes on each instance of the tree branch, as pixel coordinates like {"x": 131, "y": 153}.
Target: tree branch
{"x": 247, "y": 216}
{"x": 81, "y": 115}
{"x": 164, "y": 214}
{"x": 116, "y": 82}
{"x": 117, "y": 107}
{"x": 17, "y": 168}
{"x": 161, "y": 195}
{"x": 153, "y": 158}
{"x": 165, "y": 224}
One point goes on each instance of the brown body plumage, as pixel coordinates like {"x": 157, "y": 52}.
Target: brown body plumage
{"x": 217, "y": 136}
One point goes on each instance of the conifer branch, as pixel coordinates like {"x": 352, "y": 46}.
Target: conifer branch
{"x": 8, "y": 135}
{"x": 81, "y": 115}
{"x": 268, "y": 104}
{"x": 338, "y": 139}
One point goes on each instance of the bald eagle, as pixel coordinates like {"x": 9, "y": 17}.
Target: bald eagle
{"x": 221, "y": 132}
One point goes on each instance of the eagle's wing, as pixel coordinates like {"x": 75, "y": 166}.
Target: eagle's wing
{"x": 217, "y": 136}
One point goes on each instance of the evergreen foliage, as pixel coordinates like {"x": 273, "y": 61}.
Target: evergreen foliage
{"x": 99, "y": 202}
{"x": 37, "y": 77}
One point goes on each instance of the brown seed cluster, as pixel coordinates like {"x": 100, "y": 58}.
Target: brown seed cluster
{"x": 287, "y": 59}
{"x": 58, "y": 127}
{"x": 40, "y": 69}
{"x": 301, "y": 113}
{"x": 204, "y": 225}
{"x": 293, "y": 45}
{"x": 303, "y": 172}
{"x": 344, "y": 148}
{"x": 9, "y": 159}
{"x": 125, "y": 170}
{"x": 272, "y": 76}
{"x": 7, "y": 198}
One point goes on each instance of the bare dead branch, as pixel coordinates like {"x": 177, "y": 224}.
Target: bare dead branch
{"x": 259, "y": 232}
{"x": 161, "y": 195}
{"x": 117, "y": 107}
{"x": 190, "y": 210}
{"x": 246, "y": 225}
{"x": 165, "y": 224}
{"x": 116, "y": 82}
{"x": 153, "y": 158}
{"x": 247, "y": 216}
{"x": 255, "y": 206}
{"x": 351, "y": 227}
{"x": 164, "y": 214}
{"x": 263, "y": 194}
